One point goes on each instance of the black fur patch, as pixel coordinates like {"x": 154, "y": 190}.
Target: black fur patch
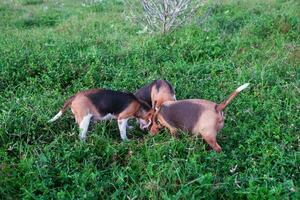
{"x": 145, "y": 106}
{"x": 109, "y": 101}
{"x": 144, "y": 94}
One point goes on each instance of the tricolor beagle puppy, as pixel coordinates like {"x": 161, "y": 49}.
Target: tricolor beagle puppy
{"x": 104, "y": 104}
{"x": 197, "y": 116}
{"x": 155, "y": 94}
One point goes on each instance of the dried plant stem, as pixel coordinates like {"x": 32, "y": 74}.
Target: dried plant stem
{"x": 165, "y": 15}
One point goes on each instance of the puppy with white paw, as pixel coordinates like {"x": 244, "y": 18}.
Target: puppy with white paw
{"x": 104, "y": 104}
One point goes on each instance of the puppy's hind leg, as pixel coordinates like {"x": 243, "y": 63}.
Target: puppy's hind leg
{"x": 84, "y": 125}
{"x": 122, "y": 123}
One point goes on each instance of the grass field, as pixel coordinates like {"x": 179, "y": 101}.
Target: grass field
{"x": 50, "y": 49}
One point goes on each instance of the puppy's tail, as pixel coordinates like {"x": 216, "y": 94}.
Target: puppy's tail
{"x": 223, "y": 105}
{"x": 64, "y": 108}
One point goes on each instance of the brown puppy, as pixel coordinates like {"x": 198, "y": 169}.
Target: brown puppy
{"x": 200, "y": 117}
{"x": 155, "y": 94}
{"x": 103, "y": 104}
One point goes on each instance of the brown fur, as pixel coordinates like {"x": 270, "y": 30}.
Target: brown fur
{"x": 161, "y": 94}
{"x": 81, "y": 106}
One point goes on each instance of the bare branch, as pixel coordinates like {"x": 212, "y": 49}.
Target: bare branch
{"x": 164, "y": 15}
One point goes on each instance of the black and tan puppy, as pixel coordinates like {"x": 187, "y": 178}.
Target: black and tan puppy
{"x": 154, "y": 94}
{"x": 197, "y": 116}
{"x": 103, "y": 104}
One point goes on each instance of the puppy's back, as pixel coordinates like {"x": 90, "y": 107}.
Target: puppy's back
{"x": 183, "y": 114}
{"x": 108, "y": 101}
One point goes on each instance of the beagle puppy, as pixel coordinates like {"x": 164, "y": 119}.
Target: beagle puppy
{"x": 104, "y": 104}
{"x": 197, "y": 116}
{"x": 154, "y": 94}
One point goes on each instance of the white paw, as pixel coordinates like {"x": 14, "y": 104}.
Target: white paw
{"x": 82, "y": 137}
{"x": 125, "y": 139}
{"x": 130, "y": 127}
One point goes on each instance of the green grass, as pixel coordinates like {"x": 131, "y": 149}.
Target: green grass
{"x": 49, "y": 50}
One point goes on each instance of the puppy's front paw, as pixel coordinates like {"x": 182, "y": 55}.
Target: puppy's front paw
{"x": 130, "y": 127}
{"x": 82, "y": 138}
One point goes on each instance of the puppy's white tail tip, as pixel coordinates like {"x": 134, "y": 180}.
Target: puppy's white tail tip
{"x": 58, "y": 115}
{"x": 242, "y": 87}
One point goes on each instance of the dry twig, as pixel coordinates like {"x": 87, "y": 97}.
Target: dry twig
{"x": 164, "y": 15}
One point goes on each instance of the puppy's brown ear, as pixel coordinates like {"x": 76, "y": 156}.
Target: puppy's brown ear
{"x": 144, "y": 104}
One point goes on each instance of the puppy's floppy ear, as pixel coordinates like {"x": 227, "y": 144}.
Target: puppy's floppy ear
{"x": 144, "y": 104}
